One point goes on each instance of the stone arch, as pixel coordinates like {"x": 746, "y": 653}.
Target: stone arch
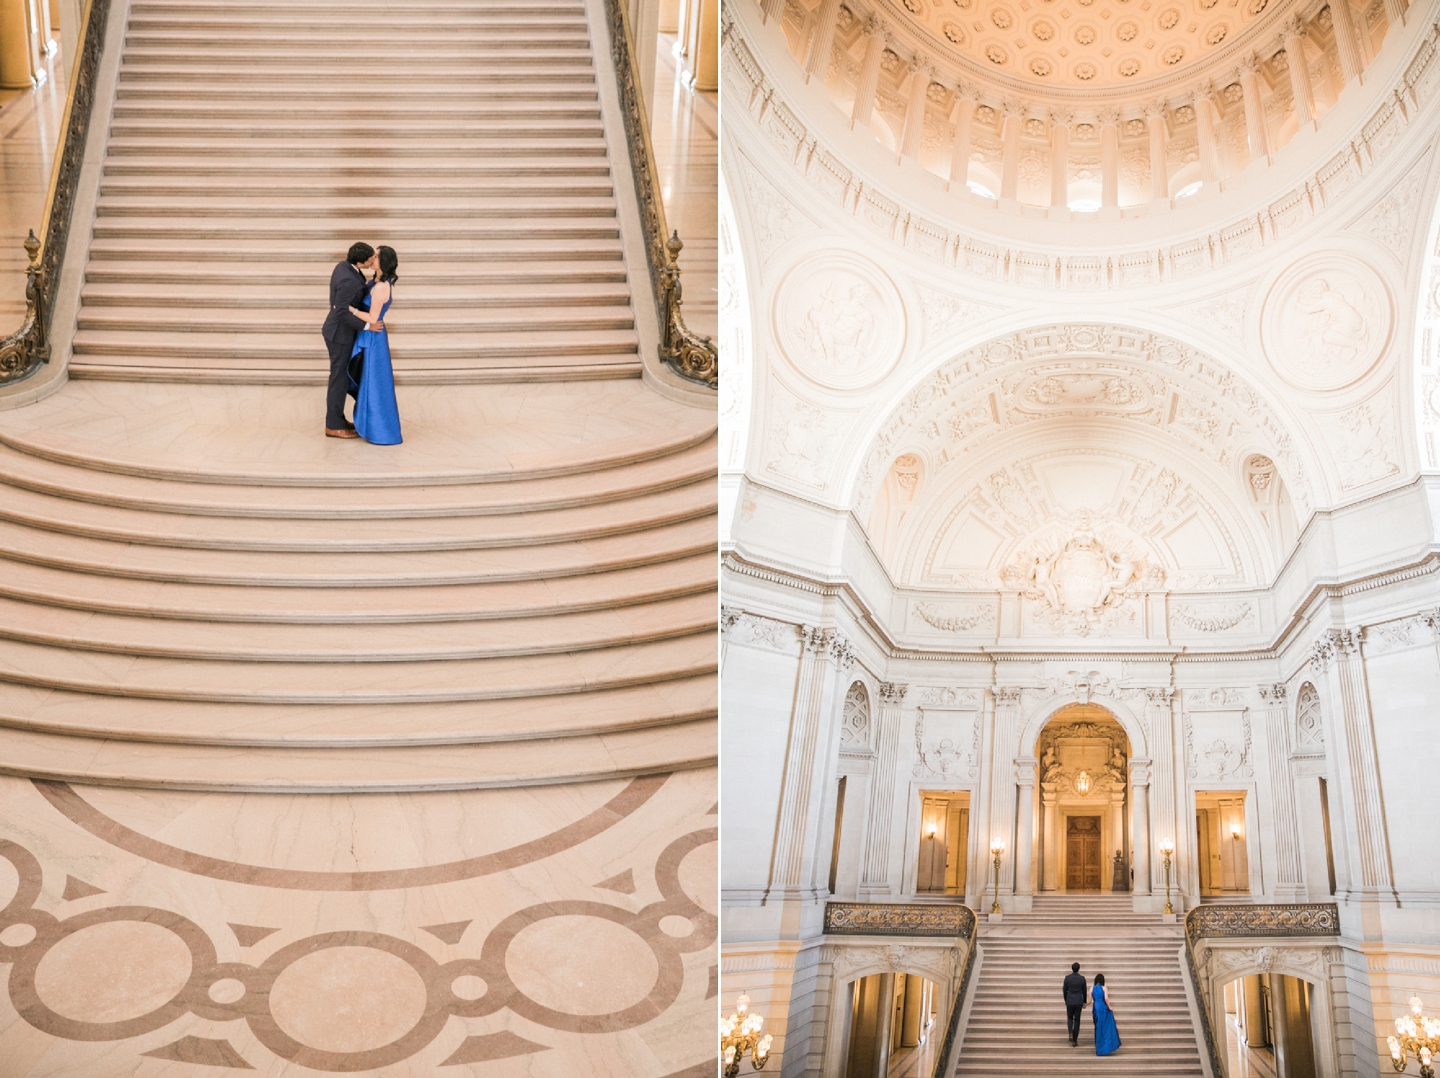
{"x": 1036, "y": 718}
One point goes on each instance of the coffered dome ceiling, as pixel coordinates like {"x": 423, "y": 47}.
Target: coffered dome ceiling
{"x": 1088, "y": 44}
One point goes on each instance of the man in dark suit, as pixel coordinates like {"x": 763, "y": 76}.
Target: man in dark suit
{"x": 347, "y": 289}
{"x": 1075, "y": 990}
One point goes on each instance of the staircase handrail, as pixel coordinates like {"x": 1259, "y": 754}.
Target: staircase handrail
{"x": 692, "y": 356}
{"x": 1255, "y": 920}
{"x": 944, "y": 1065}
{"x": 27, "y": 349}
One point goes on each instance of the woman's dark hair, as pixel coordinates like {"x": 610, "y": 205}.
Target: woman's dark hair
{"x": 388, "y": 263}
{"x": 359, "y": 252}
{"x": 1100, "y": 979}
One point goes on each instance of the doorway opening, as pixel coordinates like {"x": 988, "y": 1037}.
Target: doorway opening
{"x": 1268, "y": 1030}
{"x": 1084, "y": 802}
{"x": 944, "y": 840}
{"x": 892, "y": 1018}
{"x": 1220, "y": 843}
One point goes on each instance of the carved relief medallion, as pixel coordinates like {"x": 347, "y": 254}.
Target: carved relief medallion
{"x": 1326, "y": 322}
{"x": 839, "y": 320}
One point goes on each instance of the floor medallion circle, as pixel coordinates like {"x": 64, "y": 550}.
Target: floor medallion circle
{"x": 581, "y": 965}
{"x": 114, "y": 971}
{"x": 699, "y": 876}
{"x": 348, "y": 999}
{"x": 17, "y": 935}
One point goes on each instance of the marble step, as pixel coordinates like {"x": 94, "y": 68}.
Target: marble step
{"x": 129, "y": 369}
{"x": 322, "y": 251}
{"x": 545, "y": 186}
{"x": 385, "y": 603}
{"x": 103, "y": 559}
{"x": 436, "y": 323}
{"x": 654, "y": 706}
{"x": 617, "y": 754}
{"x": 505, "y": 348}
{"x": 421, "y": 681}
{"x": 400, "y": 234}
{"x": 395, "y": 128}
{"x": 420, "y": 295}
{"x": 478, "y": 278}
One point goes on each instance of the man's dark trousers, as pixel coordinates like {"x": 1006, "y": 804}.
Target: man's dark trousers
{"x": 1074, "y": 990}
{"x": 347, "y": 289}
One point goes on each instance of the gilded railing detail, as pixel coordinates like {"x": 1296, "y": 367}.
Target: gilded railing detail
{"x": 899, "y": 919}
{"x": 1269, "y": 919}
{"x": 24, "y": 351}
{"x": 691, "y": 355}
{"x": 1257, "y": 921}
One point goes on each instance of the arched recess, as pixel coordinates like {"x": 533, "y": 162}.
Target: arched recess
{"x": 1101, "y": 693}
{"x": 1219, "y": 966}
{"x": 844, "y": 964}
{"x": 1098, "y": 376}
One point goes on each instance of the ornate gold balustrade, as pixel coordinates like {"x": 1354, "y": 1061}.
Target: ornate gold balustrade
{"x": 23, "y": 352}
{"x": 1249, "y": 921}
{"x": 691, "y": 355}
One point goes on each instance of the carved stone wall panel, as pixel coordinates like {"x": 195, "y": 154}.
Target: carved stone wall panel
{"x": 1218, "y": 745}
{"x": 839, "y": 320}
{"x": 1326, "y": 322}
{"x": 1363, "y": 441}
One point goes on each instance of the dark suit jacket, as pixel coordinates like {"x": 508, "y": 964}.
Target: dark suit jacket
{"x": 1074, "y": 990}
{"x": 347, "y": 289}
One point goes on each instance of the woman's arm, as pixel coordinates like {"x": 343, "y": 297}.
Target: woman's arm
{"x": 379, "y": 295}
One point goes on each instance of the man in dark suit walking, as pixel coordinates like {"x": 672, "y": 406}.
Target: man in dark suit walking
{"x": 347, "y": 289}
{"x": 1075, "y": 989}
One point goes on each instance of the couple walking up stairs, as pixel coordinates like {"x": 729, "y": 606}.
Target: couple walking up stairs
{"x": 1016, "y": 1021}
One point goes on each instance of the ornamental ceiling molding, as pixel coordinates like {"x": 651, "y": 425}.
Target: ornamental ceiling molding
{"x": 894, "y": 217}
{"x": 945, "y": 412}
{"x": 922, "y": 45}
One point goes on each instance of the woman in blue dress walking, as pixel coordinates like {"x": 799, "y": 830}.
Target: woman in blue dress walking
{"x": 377, "y": 418}
{"x": 1107, "y": 1037}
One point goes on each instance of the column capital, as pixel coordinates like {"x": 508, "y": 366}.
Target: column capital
{"x": 875, "y": 26}
{"x": 1273, "y": 695}
{"x": 1292, "y": 28}
{"x": 1108, "y": 117}
{"x": 1007, "y": 696}
{"x": 1011, "y": 107}
{"x": 892, "y": 692}
{"x": 966, "y": 91}
{"x": 1333, "y": 644}
{"x": 1154, "y": 110}
{"x": 1061, "y": 117}
{"x": 1159, "y": 696}
{"x": 1247, "y": 64}
{"x": 729, "y": 617}
{"x": 1025, "y": 770}
{"x": 1139, "y": 773}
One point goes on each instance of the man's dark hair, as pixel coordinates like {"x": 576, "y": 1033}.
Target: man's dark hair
{"x": 360, "y": 252}
{"x": 1074, "y": 967}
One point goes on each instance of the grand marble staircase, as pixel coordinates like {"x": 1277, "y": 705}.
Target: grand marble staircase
{"x": 250, "y": 144}
{"x": 1017, "y": 1016}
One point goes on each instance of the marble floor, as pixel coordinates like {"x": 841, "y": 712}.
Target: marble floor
{"x": 29, "y": 129}
{"x": 685, "y": 128}
{"x": 544, "y": 933}
{"x": 1244, "y": 1061}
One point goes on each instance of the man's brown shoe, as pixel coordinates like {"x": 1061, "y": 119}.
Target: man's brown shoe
{"x": 346, "y": 432}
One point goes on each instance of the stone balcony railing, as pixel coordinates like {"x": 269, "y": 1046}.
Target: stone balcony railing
{"x": 1262, "y": 920}
{"x": 950, "y": 920}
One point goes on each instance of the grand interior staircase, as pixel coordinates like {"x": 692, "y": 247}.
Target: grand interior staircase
{"x": 1017, "y": 1015}
{"x": 251, "y": 143}
{"x": 197, "y": 589}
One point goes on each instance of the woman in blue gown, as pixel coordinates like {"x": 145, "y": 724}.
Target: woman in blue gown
{"x": 1107, "y": 1037}
{"x": 377, "y": 418}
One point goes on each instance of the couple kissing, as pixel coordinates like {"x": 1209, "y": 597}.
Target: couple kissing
{"x": 361, "y": 290}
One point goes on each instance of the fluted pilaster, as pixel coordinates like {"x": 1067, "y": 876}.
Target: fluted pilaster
{"x": 917, "y": 94}
{"x": 869, "y": 74}
{"x": 1140, "y": 823}
{"x": 960, "y": 151}
{"x": 1254, "y": 110}
{"x": 1004, "y": 733}
{"x": 822, "y": 40}
{"x": 1293, "y": 36}
{"x": 880, "y": 818}
{"x": 1159, "y": 167}
{"x": 1109, "y": 157}
{"x": 1289, "y": 880}
{"x": 1010, "y": 149}
{"x": 1060, "y": 120}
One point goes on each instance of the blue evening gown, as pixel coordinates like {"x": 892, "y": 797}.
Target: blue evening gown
{"x": 377, "y": 418}
{"x": 1107, "y": 1037}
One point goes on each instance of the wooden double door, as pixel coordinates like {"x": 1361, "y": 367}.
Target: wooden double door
{"x": 1083, "y": 862}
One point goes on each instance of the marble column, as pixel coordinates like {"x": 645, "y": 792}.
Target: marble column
{"x": 1289, "y": 879}
{"x": 1350, "y": 748}
{"x": 1060, "y": 120}
{"x": 1160, "y": 704}
{"x": 1140, "y": 822}
{"x": 1395, "y": 12}
{"x": 1159, "y": 167}
{"x": 1209, "y": 144}
{"x": 960, "y": 151}
{"x": 1025, "y": 827}
{"x": 1010, "y": 149}
{"x": 869, "y": 78}
{"x": 1117, "y": 830}
{"x": 1050, "y": 831}
{"x": 1254, "y": 109}
{"x": 880, "y": 813}
{"x": 771, "y": 9}
{"x": 1002, "y": 787}
{"x": 1347, "y": 42}
{"x": 917, "y": 93}
{"x": 822, "y": 40}
{"x": 20, "y": 45}
{"x": 823, "y": 652}
{"x": 1109, "y": 157}
{"x": 1293, "y": 34}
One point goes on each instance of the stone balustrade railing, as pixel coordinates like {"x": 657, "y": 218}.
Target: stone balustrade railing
{"x": 1098, "y": 162}
{"x": 949, "y": 919}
